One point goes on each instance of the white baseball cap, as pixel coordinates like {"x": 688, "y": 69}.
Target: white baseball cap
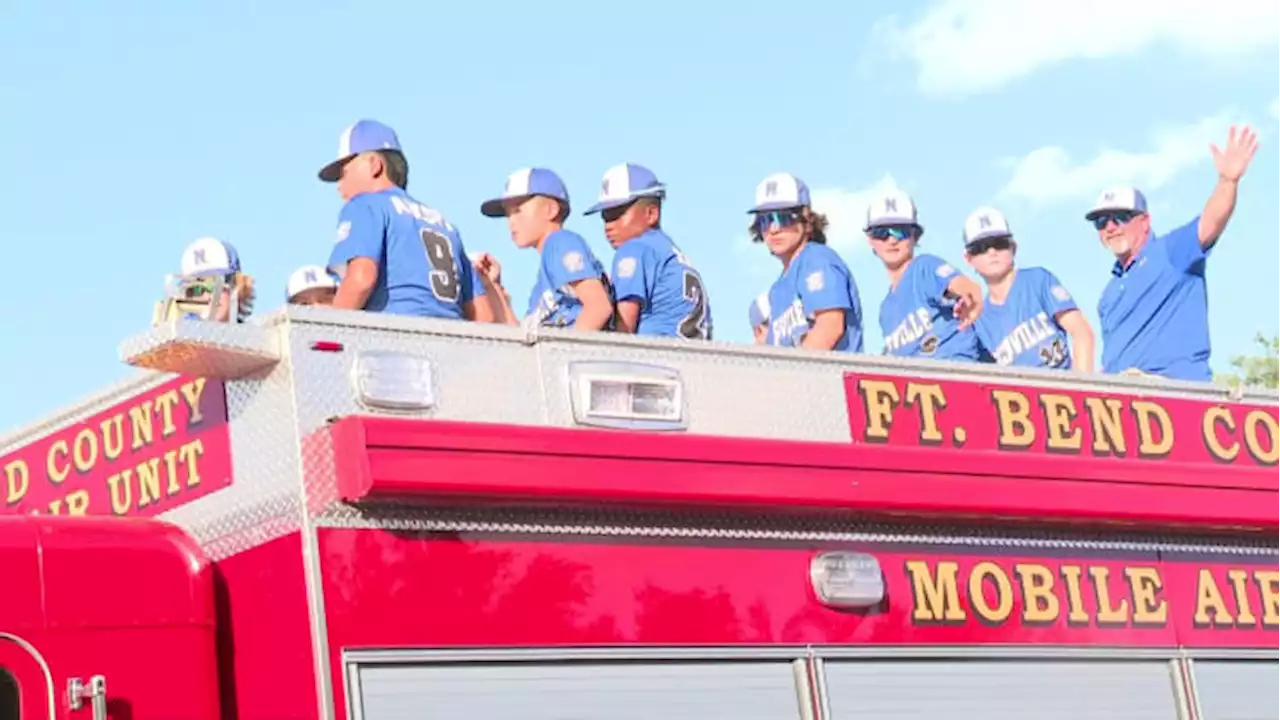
{"x": 209, "y": 257}
{"x": 780, "y": 191}
{"x": 624, "y": 184}
{"x": 308, "y": 277}
{"x": 983, "y": 223}
{"x": 892, "y": 207}
{"x": 1118, "y": 199}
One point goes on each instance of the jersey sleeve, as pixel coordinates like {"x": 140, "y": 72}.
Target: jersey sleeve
{"x": 469, "y": 285}
{"x": 1183, "y": 246}
{"x": 934, "y": 274}
{"x": 634, "y": 271}
{"x": 1054, "y": 296}
{"x": 567, "y": 259}
{"x": 361, "y": 233}
{"x": 824, "y": 285}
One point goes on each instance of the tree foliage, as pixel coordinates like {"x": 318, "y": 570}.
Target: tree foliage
{"x": 1261, "y": 370}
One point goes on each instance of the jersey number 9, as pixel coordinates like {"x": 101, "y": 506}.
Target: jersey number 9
{"x": 695, "y": 325}
{"x": 444, "y": 266}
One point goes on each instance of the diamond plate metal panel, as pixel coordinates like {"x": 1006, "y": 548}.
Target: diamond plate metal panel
{"x": 204, "y": 349}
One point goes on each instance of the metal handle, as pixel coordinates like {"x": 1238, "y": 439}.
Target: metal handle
{"x": 95, "y": 692}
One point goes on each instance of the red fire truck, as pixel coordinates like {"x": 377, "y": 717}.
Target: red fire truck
{"x": 338, "y": 515}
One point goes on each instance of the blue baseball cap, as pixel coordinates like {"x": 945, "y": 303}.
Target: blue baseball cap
{"x": 780, "y": 191}
{"x": 527, "y": 182}
{"x": 364, "y": 136}
{"x": 624, "y": 184}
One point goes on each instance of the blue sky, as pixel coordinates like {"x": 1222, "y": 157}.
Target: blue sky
{"x": 133, "y": 128}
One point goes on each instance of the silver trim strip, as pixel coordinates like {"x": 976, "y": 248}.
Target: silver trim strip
{"x": 51, "y": 693}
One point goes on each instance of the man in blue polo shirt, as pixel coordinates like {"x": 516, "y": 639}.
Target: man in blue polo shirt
{"x": 394, "y": 254}
{"x": 1154, "y": 310}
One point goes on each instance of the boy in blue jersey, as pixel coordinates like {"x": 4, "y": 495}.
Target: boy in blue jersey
{"x": 814, "y": 304}
{"x": 658, "y": 291}
{"x": 1028, "y": 315}
{"x": 572, "y": 289}
{"x": 392, "y": 253}
{"x": 930, "y": 306}
{"x": 1154, "y": 310}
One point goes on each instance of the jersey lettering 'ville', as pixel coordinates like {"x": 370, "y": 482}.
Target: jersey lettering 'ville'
{"x": 1023, "y": 331}
{"x": 918, "y": 321}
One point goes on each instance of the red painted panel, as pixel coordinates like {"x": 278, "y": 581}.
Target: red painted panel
{"x": 1118, "y": 438}
{"x": 385, "y": 589}
{"x": 144, "y": 456}
{"x": 396, "y": 458}
{"x": 264, "y": 638}
{"x": 128, "y": 599}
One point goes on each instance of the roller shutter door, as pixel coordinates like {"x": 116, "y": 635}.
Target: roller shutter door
{"x": 1237, "y": 689}
{"x": 992, "y": 690}
{"x": 579, "y": 691}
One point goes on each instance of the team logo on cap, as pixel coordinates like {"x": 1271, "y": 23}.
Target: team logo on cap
{"x": 197, "y": 257}
{"x": 604, "y": 187}
{"x": 984, "y": 222}
{"x": 771, "y": 188}
{"x": 1109, "y": 196}
{"x": 891, "y": 205}
{"x": 311, "y": 276}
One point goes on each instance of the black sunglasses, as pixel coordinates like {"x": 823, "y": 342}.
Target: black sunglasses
{"x": 980, "y": 247}
{"x": 1119, "y": 217}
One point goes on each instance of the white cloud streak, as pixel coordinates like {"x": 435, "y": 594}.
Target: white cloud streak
{"x": 963, "y": 47}
{"x": 1049, "y": 174}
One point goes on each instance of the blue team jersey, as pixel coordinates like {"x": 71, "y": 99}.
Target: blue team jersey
{"x": 1155, "y": 312}
{"x": 917, "y": 321}
{"x": 817, "y": 279}
{"x": 423, "y": 268}
{"x": 565, "y": 260}
{"x": 651, "y": 271}
{"x": 1024, "y": 330}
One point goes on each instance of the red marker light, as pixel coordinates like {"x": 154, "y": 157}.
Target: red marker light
{"x": 326, "y": 346}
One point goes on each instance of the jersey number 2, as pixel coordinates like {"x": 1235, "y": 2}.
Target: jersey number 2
{"x": 444, "y": 266}
{"x": 694, "y": 325}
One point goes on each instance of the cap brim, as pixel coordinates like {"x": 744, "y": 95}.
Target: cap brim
{"x": 1100, "y": 210}
{"x": 769, "y": 207}
{"x": 494, "y": 208}
{"x": 333, "y": 171}
{"x": 659, "y": 192}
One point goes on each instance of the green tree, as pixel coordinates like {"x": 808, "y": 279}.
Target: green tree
{"x": 1261, "y": 370}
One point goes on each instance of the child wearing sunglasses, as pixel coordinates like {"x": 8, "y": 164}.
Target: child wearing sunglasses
{"x": 814, "y": 304}
{"x": 658, "y": 291}
{"x": 930, "y": 306}
{"x": 1029, "y": 315}
{"x": 211, "y": 278}
{"x": 572, "y": 288}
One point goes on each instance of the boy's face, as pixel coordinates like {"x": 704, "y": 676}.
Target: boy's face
{"x": 992, "y": 258}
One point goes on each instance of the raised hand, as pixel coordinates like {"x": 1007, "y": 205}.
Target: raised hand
{"x": 1234, "y": 159}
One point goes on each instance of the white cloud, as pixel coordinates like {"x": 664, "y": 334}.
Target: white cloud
{"x": 1049, "y": 174}
{"x": 973, "y": 46}
{"x": 1274, "y": 109}
{"x": 846, "y": 210}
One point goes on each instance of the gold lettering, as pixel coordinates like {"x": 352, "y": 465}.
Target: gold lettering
{"x": 930, "y": 399}
{"x": 76, "y": 502}
{"x": 1263, "y": 449}
{"x": 937, "y": 598}
{"x": 1209, "y": 598}
{"x": 978, "y": 599}
{"x": 1014, "y": 414}
{"x": 1145, "y": 585}
{"x": 189, "y": 454}
{"x": 1039, "y": 602}
{"x": 879, "y": 398}
{"x": 141, "y": 426}
{"x": 51, "y": 468}
{"x": 1060, "y": 432}
{"x": 84, "y": 450}
{"x": 113, "y": 436}
{"x": 1213, "y": 417}
{"x": 148, "y": 482}
{"x": 164, "y": 404}
{"x": 1076, "y": 614}
{"x": 1269, "y": 588}
{"x": 1144, "y": 411}
{"x": 1108, "y": 430}
{"x": 16, "y": 480}
{"x": 1240, "y": 588}
{"x": 121, "y": 485}
{"x": 1108, "y": 614}
{"x": 191, "y": 393}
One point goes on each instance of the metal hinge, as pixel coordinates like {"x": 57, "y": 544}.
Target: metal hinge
{"x": 95, "y": 691}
